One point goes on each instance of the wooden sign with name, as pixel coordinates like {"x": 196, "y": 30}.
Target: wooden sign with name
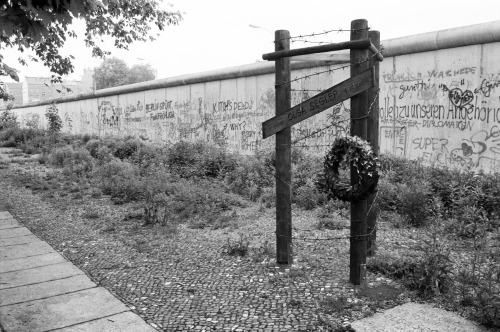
{"x": 320, "y": 102}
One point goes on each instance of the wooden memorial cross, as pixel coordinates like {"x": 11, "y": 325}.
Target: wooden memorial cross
{"x": 364, "y": 76}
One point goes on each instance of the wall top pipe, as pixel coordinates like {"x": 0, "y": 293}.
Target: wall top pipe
{"x": 482, "y": 33}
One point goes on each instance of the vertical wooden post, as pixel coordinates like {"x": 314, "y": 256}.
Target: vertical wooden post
{"x": 359, "y": 106}
{"x": 373, "y": 138}
{"x": 283, "y": 155}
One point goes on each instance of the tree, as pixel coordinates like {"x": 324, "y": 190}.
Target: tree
{"x": 43, "y": 25}
{"x": 115, "y": 72}
{"x": 111, "y": 72}
{"x": 141, "y": 73}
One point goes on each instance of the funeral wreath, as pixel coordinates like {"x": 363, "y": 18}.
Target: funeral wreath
{"x": 344, "y": 152}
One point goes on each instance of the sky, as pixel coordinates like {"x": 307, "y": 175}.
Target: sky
{"x": 218, "y": 33}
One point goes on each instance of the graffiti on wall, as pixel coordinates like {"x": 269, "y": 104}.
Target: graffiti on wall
{"x": 442, "y": 108}
{"x": 448, "y": 118}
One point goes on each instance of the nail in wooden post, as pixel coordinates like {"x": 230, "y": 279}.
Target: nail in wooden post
{"x": 283, "y": 155}
{"x": 359, "y": 107}
{"x": 373, "y": 138}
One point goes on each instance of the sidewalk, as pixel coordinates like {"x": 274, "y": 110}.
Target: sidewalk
{"x": 41, "y": 291}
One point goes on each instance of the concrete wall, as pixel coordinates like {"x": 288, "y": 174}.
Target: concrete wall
{"x": 439, "y": 102}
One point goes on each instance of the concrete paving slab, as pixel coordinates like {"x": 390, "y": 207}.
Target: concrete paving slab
{"x": 11, "y": 241}
{"x": 25, "y": 250}
{"x": 124, "y": 322}
{"x": 7, "y": 220}
{"x": 10, "y": 224}
{"x": 45, "y": 290}
{"x": 5, "y": 215}
{"x": 38, "y": 274}
{"x": 31, "y": 262}
{"x": 13, "y": 232}
{"x": 60, "y": 311}
{"x": 416, "y": 317}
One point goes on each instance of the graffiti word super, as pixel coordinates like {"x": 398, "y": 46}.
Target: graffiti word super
{"x": 430, "y": 143}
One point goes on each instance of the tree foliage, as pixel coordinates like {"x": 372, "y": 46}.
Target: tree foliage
{"x": 8, "y": 119}
{"x": 111, "y": 72}
{"x": 53, "y": 118}
{"x": 141, "y": 73}
{"x": 43, "y": 26}
{"x": 115, "y": 72}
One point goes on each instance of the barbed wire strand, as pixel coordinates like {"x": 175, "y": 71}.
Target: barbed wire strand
{"x": 307, "y": 90}
{"x": 345, "y": 237}
{"x": 330, "y": 70}
{"x": 290, "y": 186}
{"x": 325, "y": 32}
{"x": 311, "y": 42}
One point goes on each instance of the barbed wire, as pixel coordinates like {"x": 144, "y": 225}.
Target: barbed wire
{"x": 311, "y": 42}
{"x": 330, "y": 70}
{"x": 290, "y": 186}
{"x": 325, "y": 32}
{"x": 312, "y": 146}
{"x": 360, "y": 237}
{"x": 307, "y": 90}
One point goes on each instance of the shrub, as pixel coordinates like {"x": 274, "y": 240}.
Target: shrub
{"x": 20, "y": 135}
{"x": 8, "y": 143}
{"x": 252, "y": 177}
{"x": 411, "y": 199}
{"x": 203, "y": 203}
{"x": 308, "y": 196}
{"x": 414, "y": 202}
{"x": 236, "y": 248}
{"x": 92, "y": 146}
{"x": 199, "y": 159}
{"x": 430, "y": 273}
{"x": 8, "y": 119}
{"x": 76, "y": 162}
{"x": 265, "y": 250}
{"x": 53, "y": 118}
{"x": 304, "y": 172}
{"x": 79, "y": 163}
{"x": 87, "y": 137}
{"x": 158, "y": 206}
{"x": 120, "y": 180}
{"x": 478, "y": 279}
{"x": 387, "y": 197}
{"x": 104, "y": 155}
{"x": 148, "y": 156}
{"x": 334, "y": 305}
{"x": 402, "y": 170}
{"x": 125, "y": 149}
{"x": 489, "y": 198}
{"x": 60, "y": 156}
{"x": 156, "y": 209}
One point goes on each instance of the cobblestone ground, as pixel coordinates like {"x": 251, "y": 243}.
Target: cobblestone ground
{"x": 179, "y": 280}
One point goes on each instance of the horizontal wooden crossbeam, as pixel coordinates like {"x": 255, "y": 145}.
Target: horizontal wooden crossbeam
{"x": 348, "y": 45}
